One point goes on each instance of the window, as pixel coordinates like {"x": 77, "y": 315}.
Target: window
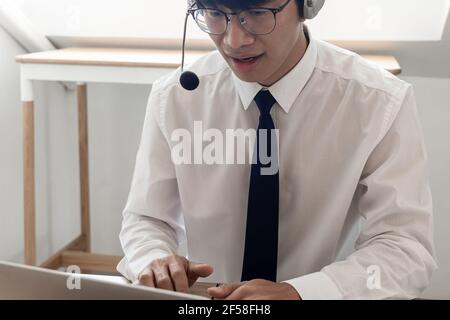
{"x": 382, "y": 20}
{"x": 360, "y": 20}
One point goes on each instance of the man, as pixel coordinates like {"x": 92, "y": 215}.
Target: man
{"x": 349, "y": 147}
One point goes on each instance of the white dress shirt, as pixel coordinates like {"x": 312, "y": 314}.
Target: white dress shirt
{"x": 352, "y": 157}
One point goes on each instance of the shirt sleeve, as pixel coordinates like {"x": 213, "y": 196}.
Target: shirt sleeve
{"x": 394, "y": 252}
{"x": 152, "y": 223}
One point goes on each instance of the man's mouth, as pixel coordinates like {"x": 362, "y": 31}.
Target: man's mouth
{"x": 246, "y": 59}
{"x": 245, "y": 64}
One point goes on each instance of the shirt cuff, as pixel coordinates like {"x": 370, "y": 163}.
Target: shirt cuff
{"x": 131, "y": 270}
{"x": 316, "y": 286}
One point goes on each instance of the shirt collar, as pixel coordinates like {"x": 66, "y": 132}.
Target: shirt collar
{"x": 287, "y": 89}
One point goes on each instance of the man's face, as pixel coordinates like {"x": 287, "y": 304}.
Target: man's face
{"x": 276, "y": 52}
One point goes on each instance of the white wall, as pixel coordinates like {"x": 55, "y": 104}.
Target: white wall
{"x": 400, "y": 20}
{"x": 10, "y": 153}
{"x": 433, "y": 98}
{"x": 53, "y": 186}
{"x": 115, "y": 121}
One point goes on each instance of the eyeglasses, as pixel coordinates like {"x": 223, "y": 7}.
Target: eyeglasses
{"x": 257, "y": 21}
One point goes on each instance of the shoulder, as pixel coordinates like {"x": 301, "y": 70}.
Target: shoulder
{"x": 352, "y": 68}
{"x": 374, "y": 93}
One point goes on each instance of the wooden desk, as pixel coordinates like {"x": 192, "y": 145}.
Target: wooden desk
{"x": 81, "y": 66}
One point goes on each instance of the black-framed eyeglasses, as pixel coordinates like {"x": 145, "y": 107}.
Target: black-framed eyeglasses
{"x": 257, "y": 21}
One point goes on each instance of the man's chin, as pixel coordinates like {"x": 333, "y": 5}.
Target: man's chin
{"x": 247, "y": 77}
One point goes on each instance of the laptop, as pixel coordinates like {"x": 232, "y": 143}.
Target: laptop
{"x": 33, "y": 283}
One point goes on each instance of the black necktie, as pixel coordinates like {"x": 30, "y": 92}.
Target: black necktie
{"x": 261, "y": 237}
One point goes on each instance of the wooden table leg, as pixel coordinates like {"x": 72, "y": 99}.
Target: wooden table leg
{"x": 29, "y": 183}
{"x": 84, "y": 165}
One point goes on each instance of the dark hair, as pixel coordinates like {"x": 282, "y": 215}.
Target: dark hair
{"x": 240, "y": 4}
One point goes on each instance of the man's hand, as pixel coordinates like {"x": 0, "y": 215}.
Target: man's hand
{"x": 257, "y": 289}
{"x": 174, "y": 273}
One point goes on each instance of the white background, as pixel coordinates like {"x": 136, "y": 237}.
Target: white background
{"x": 398, "y": 20}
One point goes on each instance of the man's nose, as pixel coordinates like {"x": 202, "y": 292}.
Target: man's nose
{"x": 236, "y": 36}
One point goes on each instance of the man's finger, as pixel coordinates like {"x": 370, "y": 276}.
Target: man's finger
{"x": 146, "y": 279}
{"x": 224, "y": 290}
{"x": 179, "y": 277}
{"x": 195, "y": 270}
{"x": 162, "y": 278}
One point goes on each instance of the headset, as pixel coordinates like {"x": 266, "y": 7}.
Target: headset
{"x": 311, "y": 8}
{"x": 190, "y": 81}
